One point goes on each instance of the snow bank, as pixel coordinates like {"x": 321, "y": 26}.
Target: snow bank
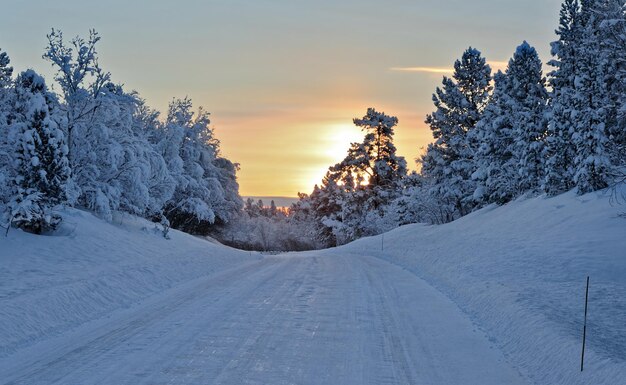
{"x": 519, "y": 271}
{"x": 49, "y": 284}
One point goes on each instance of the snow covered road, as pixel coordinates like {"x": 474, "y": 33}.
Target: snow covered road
{"x": 309, "y": 318}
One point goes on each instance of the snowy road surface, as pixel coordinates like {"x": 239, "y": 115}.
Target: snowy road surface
{"x": 308, "y": 318}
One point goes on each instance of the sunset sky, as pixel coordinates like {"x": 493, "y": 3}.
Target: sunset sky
{"x": 284, "y": 79}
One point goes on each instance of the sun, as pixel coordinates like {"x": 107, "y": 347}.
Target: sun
{"x": 338, "y": 138}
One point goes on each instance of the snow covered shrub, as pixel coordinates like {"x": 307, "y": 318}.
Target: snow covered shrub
{"x": 41, "y": 168}
{"x": 206, "y": 188}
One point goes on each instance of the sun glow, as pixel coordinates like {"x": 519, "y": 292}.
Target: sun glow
{"x": 336, "y": 141}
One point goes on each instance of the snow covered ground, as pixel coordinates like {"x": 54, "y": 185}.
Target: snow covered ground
{"x": 494, "y": 298}
{"x": 51, "y": 284}
{"x": 519, "y": 271}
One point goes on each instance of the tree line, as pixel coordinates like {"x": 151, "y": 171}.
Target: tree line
{"x": 496, "y": 137}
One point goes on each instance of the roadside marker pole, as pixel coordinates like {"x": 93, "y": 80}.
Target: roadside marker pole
{"x": 382, "y": 243}
{"x": 582, "y": 357}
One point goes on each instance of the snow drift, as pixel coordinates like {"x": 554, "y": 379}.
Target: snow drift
{"x": 50, "y": 284}
{"x": 519, "y": 271}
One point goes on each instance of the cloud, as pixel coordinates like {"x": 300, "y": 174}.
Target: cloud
{"x": 495, "y": 65}
{"x": 498, "y": 65}
{"x": 430, "y": 70}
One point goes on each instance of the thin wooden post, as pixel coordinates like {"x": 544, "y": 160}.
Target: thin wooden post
{"x": 582, "y": 357}
{"x": 382, "y": 242}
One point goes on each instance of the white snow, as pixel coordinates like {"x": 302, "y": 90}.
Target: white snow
{"x": 50, "y": 284}
{"x": 493, "y": 298}
{"x": 519, "y": 271}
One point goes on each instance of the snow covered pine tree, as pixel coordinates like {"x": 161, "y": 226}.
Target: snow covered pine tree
{"x": 511, "y": 132}
{"x": 448, "y": 162}
{"x": 40, "y": 160}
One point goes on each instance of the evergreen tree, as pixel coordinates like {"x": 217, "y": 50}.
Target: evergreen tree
{"x": 448, "y": 162}
{"x": 512, "y": 130}
{"x": 6, "y": 72}
{"x": 585, "y": 128}
{"x": 41, "y": 164}
{"x": 559, "y": 150}
{"x": 374, "y": 161}
{"x": 589, "y": 127}
{"x": 496, "y": 170}
{"x": 365, "y": 182}
{"x": 527, "y": 89}
{"x": 612, "y": 38}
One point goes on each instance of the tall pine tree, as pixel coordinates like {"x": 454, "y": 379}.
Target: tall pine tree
{"x": 448, "y": 162}
{"x": 512, "y": 130}
{"x": 560, "y": 151}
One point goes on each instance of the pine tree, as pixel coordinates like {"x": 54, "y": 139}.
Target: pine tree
{"x": 367, "y": 180}
{"x": 559, "y": 150}
{"x": 528, "y": 94}
{"x": 41, "y": 164}
{"x": 589, "y": 126}
{"x": 585, "y": 128}
{"x": 511, "y": 131}
{"x": 496, "y": 170}
{"x": 374, "y": 161}
{"x": 448, "y": 162}
{"x": 612, "y": 39}
{"x": 6, "y": 72}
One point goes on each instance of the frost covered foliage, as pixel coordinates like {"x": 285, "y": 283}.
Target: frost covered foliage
{"x": 109, "y": 157}
{"x": 125, "y": 159}
{"x": 266, "y": 228}
{"x": 102, "y": 148}
{"x": 40, "y": 166}
{"x": 206, "y": 187}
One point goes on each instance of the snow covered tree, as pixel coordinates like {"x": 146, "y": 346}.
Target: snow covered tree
{"x": 496, "y": 170}
{"x": 585, "y": 128}
{"x": 6, "y": 73}
{"x": 41, "y": 165}
{"x": 589, "y": 126}
{"x": 374, "y": 161}
{"x": 611, "y": 34}
{"x": 512, "y": 130}
{"x": 363, "y": 183}
{"x": 448, "y": 162}
{"x": 111, "y": 133}
{"x": 527, "y": 88}
{"x": 206, "y": 189}
{"x": 80, "y": 78}
{"x": 559, "y": 150}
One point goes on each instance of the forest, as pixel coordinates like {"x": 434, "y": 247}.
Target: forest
{"x": 496, "y": 137}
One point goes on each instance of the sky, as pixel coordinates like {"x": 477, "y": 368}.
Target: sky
{"x": 284, "y": 79}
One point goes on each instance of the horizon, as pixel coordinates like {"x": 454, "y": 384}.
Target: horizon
{"x": 284, "y": 81}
